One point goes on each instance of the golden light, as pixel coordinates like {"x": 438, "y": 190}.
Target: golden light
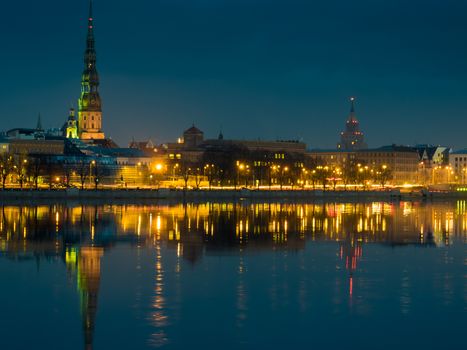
{"x": 158, "y": 167}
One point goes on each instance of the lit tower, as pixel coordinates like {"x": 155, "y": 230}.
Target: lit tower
{"x": 89, "y": 103}
{"x": 71, "y": 130}
{"x": 352, "y": 137}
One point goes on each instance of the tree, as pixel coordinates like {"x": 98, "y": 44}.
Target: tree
{"x": 67, "y": 171}
{"x": 198, "y": 177}
{"x": 210, "y": 173}
{"x": 21, "y": 168}
{"x": 82, "y": 169}
{"x": 6, "y": 166}
{"x": 322, "y": 175}
{"x": 35, "y": 165}
{"x": 383, "y": 175}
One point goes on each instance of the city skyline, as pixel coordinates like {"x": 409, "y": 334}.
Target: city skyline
{"x": 166, "y": 98}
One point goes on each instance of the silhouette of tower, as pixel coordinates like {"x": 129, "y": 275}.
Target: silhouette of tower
{"x": 352, "y": 137}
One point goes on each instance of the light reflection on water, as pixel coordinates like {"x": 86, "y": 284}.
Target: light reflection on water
{"x": 233, "y": 274}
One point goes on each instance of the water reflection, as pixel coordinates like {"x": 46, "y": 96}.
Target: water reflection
{"x": 80, "y": 235}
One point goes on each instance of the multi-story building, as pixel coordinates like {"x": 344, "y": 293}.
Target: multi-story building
{"x": 402, "y": 161}
{"x": 458, "y": 165}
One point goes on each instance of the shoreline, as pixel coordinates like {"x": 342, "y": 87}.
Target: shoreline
{"x": 223, "y": 195}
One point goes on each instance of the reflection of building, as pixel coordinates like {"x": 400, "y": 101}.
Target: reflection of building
{"x": 89, "y": 272}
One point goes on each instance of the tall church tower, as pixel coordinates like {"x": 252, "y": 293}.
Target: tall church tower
{"x": 352, "y": 138}
{"x": 89, "y": 103}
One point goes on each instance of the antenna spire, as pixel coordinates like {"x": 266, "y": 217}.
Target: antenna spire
{"x": 352, "y": 105}
{"x": 90, "y": 15}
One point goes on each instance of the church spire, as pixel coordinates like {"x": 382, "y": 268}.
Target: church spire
{"x": 39, "y": 123}
{"x": 89, "y": 104}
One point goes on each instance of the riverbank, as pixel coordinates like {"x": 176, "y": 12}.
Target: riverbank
{"x": 197, "y": 195}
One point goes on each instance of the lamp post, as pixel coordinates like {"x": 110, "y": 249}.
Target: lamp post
{"x": 91, "y": 164}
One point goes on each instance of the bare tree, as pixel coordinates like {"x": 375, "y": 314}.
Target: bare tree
{"x": 35, "y": 165}
{"x": 82, "y": 169}
{"x": 21, "y": 168}
{"x": 6, "y": 166}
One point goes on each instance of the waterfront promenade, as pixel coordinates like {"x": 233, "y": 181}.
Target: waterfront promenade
{"x": 225, "y": 194}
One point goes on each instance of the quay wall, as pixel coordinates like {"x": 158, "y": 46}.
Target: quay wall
{"x": 223, "y": 195}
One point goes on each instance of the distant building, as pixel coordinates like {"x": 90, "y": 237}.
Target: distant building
{"x": 32, "y": 147}
{"x": 403, "y": 161}
{"x": 433, "y": 162}
{"x": 148, "y": 147}
{"x": 192, "y": 137}
{"x": 458, "y": 164}
{"x": 352, "y": 137}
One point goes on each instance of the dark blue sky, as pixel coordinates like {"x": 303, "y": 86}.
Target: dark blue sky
{"x": 264, "y": 69}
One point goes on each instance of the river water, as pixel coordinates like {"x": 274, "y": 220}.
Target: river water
{"x": 233, "y": 275}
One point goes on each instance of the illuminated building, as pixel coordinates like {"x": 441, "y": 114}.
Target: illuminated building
{"x": 402, "y": 160}
{"x": 71, "y": 129}
{"x": 28, "y": 146}
{"x": 352, "y": 137}
{"x": 89, "y": 103}
{"x": 458, "y": 164}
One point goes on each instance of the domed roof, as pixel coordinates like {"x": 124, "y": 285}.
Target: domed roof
{"x": 192, "y": 130}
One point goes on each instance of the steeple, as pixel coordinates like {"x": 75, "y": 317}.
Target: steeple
{"x": 352, "y": 105}
{"x": 39, "y": 123}
{"x": 71, "y": 129}
{"x": 352, "y": 137}
{"x": 90, "y": 80}
{"x": 89, "y": 103}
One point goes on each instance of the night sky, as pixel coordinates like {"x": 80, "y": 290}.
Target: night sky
{"x": 264, "y": 69}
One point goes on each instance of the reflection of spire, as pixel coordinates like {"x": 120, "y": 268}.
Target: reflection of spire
{"x": 351, "y": 253}
{"x": 89, "y": 271}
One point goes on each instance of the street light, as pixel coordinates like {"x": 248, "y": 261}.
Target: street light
{"x": 91, "y": 164}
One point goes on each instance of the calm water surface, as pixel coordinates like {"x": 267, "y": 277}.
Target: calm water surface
{"x": 226, "y": 275}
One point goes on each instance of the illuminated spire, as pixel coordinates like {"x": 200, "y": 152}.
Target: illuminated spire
{"x": 90, "y": 77}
